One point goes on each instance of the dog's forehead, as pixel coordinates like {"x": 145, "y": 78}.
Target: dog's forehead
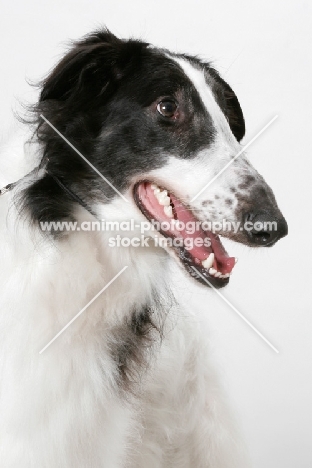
{"x": 158, "y": 72}
{"x": 155, "y": 75}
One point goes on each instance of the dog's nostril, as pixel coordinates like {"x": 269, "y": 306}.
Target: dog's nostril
{"x": 249, "y": 217}
{"x": 264, "y": 228}
{"x": 262, "y": 236}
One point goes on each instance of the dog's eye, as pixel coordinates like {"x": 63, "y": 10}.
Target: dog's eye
{"x": 167, "y": 108}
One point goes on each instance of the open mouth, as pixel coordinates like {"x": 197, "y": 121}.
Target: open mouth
{"x": 201, "y": 252}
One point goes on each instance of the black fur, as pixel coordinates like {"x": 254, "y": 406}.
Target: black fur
{"x": 132, "y": 345}
{"x": 102, "y": 97}
{"x": 134, "y": 342}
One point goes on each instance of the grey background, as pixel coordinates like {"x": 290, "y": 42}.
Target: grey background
{"x": 263, "y": 49}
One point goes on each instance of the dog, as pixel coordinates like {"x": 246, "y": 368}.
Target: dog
{"x": 130, "y": 133}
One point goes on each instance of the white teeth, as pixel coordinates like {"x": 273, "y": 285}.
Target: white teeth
{"x": 236, "y": 260}
{"x": 218, "y": 274}
{"x": 165, "y": 201}
{"x": 163, "y": 198}
{"x": 161, "y": 195}
{"x": 208, "y": 262}
{"x": 168, "y": 211}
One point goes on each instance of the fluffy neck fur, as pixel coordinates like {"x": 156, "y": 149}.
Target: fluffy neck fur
{"x": 89, "y": 369}
{"x": 89, "y": 399}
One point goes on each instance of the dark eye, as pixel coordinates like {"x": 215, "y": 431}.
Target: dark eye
{"x": 167, "y": 108}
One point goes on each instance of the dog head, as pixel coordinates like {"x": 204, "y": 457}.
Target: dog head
{"x": 163, "y": 130}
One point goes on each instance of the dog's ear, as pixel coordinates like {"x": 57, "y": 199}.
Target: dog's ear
{"x": 229, "y": 104}
{"x": 90, "y": 69}
{"x": 234, "y": 112}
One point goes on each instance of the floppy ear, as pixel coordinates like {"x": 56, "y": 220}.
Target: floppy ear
{"x": 229, "y": 104}
{"x": 91, "y": 68}
{"x": 234, "y": 112}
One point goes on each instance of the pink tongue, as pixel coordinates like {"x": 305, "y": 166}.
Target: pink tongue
{"x": 222, "y": 262}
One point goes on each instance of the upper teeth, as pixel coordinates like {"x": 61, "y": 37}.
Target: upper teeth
{"x": 168, "y": 211}
{"x": 163, "y": 199}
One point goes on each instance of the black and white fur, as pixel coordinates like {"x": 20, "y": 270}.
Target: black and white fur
{"x": 129, "y": 383}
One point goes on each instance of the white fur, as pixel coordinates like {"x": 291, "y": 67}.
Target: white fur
{"x": 63, "y": 408}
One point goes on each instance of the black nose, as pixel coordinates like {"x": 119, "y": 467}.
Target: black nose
{"x": 264, "y": 228}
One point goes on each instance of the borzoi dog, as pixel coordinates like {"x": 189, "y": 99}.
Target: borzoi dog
{"x": 127, "y": 133}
